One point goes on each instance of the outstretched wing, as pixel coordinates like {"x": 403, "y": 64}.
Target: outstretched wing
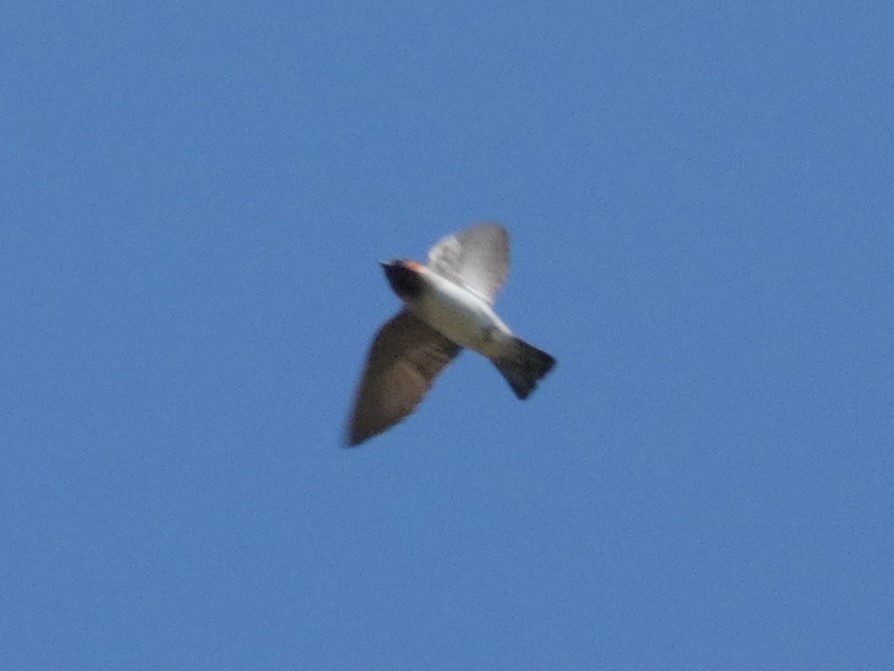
{"x": 477, "y": 258}
{"x": 404, "y": 360}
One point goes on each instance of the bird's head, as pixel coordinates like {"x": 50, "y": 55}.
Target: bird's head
{"x": 405, "y": 277}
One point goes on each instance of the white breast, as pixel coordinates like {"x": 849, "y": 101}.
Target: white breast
{"x": 460, "y": 315}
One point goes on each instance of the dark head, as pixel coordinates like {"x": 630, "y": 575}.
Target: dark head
{"x": 403, "y": 277}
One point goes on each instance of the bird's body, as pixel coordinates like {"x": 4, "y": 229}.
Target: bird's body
{"x": 448, "y": 306}
{"x": 459, "y": 314}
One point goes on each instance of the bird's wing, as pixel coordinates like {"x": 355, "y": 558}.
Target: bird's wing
{"x": 477, "y": 258}
{"x": 404, "y": 360}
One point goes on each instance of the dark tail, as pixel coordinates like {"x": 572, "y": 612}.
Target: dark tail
{"x": 523, "y": 365}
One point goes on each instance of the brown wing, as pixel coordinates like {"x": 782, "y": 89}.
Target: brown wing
{"x": 405, "y": 358}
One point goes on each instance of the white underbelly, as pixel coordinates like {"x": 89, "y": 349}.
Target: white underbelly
{"x": 462, "y": 317}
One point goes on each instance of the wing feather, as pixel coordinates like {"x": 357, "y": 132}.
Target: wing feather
{"x": 405, "y": 358}
{"x": 477, "y": 258}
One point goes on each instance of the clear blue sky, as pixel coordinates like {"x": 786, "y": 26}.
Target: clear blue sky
{"x": 193, "y": 201}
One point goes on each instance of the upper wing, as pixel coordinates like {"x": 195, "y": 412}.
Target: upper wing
{"x": 477, "y": 258}
{"x": 405, "y": 358}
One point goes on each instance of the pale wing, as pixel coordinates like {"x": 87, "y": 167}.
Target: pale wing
{"x": 404, "y": 360}
{"x": 477, "y": 258}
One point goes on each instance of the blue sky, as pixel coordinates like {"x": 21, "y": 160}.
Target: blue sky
{"x": 193, "y": 199}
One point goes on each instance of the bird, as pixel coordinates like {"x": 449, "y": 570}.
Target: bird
{"x": 448, "y": 306}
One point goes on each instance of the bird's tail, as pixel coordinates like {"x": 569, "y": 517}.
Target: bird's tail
{"x": 523, "y": 365}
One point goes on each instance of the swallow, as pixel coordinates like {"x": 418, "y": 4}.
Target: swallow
{"x": 448, "y": 306}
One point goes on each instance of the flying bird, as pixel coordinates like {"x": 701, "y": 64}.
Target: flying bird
{"x": 448, "y": 305}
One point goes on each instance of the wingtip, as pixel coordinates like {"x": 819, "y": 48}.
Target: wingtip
{"x": 352, "y": 440}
